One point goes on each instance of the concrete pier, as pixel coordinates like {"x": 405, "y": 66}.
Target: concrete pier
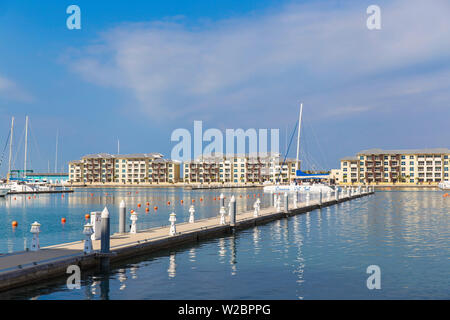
{"x": 26, "y": 267}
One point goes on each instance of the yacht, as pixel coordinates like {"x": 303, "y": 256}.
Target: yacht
{"x": 444, "y": 185}
{"x": 300, "y": 175}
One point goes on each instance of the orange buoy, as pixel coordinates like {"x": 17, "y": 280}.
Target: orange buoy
{"x": 87, "y": 216}
{"x": 155, "y": 208}
{"x": 63, "y": 220}
{"x": 148, "y": 203}
{"x": 92, "y": 194}
{"x": 14, "y": 224}
{"x": 147, "y": 209}
{"x": 240, "y": 196}
{"x": 131, "y": 211}
{"x": 201, "y": 199}
{"x": 14, "y": 198}
{"x": 139, "y": 205}
{"x": 214, "y": 198}
{"x": 193, "y": 200}
{"x": 29, "y": 198}
{"x": 181, "y": 201}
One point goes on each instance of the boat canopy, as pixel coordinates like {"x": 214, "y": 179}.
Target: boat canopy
{"x": 302, "y": 175}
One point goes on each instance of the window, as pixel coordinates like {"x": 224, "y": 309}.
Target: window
{"x": 403, "y": 157}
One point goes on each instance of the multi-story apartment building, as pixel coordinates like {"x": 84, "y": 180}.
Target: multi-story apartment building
{"x": 238, "y": 169}
{"x": 141, "y": 168}
{"x": 394, "y": 166}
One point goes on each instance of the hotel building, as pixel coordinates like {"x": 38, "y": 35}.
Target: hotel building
{"x": 238, "y": 169}
{"x": 429, "y": 166}
{"x": 141, "y": 168}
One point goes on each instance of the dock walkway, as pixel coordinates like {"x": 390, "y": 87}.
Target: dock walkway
{"x": 25, "y": 267}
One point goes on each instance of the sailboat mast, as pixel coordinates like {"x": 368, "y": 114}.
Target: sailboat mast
{"x": 10, "y": 149}
{"x": 26, "y": 148}
{"x": 297, "y": 164}
{"x": 56, "y": 153}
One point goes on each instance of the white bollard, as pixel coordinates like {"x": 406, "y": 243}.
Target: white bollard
{"x": 133, "y": 218}
{"x": 191, "y": 214}
{"x": 96, "y": 222}
{"x": 307, "y": 198}
{"x": 88, "y": 231}
{"x": 256, "y": 210}
{"x": 336, "y": 194}
{"x": 222, "y": 215}
{"x": 172, "y": 219}
{"x": 278, "y": 203}
{"x": 35, "y": 229}
{"x": 320, "y": 197}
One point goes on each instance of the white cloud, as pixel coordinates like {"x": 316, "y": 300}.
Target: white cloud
{"x": 263, "y": 64}
{"x": 11, "y": 91}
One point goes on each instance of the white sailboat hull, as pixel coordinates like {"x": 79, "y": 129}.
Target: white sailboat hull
{"x": 3, "y": 192}
{"x": 444, "y": 185}
{"x": 298, "y": 188}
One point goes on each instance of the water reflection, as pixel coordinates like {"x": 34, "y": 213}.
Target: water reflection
{"x": 232, "y": 244}
{"x": 171, "y": 271}
{"x": 222, "y": 250}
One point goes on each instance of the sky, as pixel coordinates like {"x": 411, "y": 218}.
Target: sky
{"x": 138, "y": 70}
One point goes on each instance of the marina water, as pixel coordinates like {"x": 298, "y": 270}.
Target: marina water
{"x": 322, "y": 254}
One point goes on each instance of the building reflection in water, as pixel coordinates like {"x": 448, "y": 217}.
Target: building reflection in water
{"x": 172, "y": 266}
{"x": 233, "y": 255}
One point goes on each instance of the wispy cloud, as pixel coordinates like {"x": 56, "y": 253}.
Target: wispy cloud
{"x": 263, "y": 64}
{"x": 11, "y": 91}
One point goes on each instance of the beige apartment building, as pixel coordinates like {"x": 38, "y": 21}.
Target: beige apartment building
{"x": 141, "y": 168}
{"x": 238, "y": 169}
{"x": 423, "y": 166}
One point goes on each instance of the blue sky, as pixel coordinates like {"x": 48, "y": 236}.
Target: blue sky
{"x": 137, "y": 70}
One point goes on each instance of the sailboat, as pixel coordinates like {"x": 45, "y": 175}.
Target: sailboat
{"x": 21, "y": 185}
{"x": 300, "y": 175}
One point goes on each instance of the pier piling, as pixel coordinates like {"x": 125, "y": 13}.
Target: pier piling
{"x": 122, "y": 216}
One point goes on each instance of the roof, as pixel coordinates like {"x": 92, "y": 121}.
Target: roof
{"x": 123, "y": 156}
{"x": 405, "y": 151}
{"x": 352, "y": 158}
{"x": 34, "y": 174}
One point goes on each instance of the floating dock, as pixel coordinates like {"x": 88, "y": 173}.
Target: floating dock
{"x": 27, "y": 267}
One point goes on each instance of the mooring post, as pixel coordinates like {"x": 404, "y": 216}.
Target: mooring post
{"x": 272, "y": 202}
{"x": 286, "y": 202}
{"x": 105, "y": 238}
{"x": 232, "y": 212}
{"x": 191, "y": 214}
{"x": 222, "y": 215}
{"x": 133, "y": 218}
{"x": 172, "y": 219}
{"x": 35, "y": 229}
{"x": 122, "y": 216}
{"x": 295, "y": 200}
{"x": 336, "y": 193}
{"x": 222, "y": 200}
{"x": 255, "y": 211}
{"x": 87, "y": 231}
{"x": 320, "y": 197}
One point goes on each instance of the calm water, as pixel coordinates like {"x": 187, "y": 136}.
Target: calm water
{"x": 319, "y": 255}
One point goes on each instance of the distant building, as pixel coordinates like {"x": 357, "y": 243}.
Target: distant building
{"x": 238, "y": 169}
{"x": 53, "y": 178}
{"x": 127, "y": 169}
{"x": 396, "y": 166}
